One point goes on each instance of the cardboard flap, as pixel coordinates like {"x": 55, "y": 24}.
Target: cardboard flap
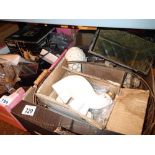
{"x": 129, "y": 111}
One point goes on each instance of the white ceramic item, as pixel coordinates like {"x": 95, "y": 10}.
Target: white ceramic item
{"x": 75, "y": 54}
{"x": 81, "y": 92}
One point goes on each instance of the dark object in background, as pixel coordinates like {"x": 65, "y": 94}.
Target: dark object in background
{"x": 146, "y": 34}
{"x": 30, "y": 37}
{"x": 84, "y": 39}
{"x": 125, "y": 49}
{"x": 28, "y": 73}
{"x": 8, "y": 78}
{"x": 57, "y": 43}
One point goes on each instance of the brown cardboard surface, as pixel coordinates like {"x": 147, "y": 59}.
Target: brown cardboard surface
{"x": 129, "y": 111}
{"x": 6, "y": 30}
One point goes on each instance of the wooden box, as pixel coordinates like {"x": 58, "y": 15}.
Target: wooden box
{"x": 126, "y": 117}
{"x": 47, "y": 95}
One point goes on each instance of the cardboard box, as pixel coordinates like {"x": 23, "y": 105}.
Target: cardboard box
{"x": 46, "y": 122}
{"x": 47, "y": 95}
{"x": 127, "y": 116}
{"x": 131, "y": 120}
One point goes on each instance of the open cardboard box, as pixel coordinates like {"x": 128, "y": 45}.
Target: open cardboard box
{"x": 48, "y": 96}
{"x": 123, "y": 111}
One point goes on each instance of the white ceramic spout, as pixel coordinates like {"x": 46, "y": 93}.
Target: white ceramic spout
{"x": 81, "y": 92}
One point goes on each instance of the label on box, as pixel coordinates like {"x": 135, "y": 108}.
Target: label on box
{"x": 29, "y": 110}
{"x": 5, "y": 100}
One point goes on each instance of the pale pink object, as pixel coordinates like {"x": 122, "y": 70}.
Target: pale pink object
{"x": 66, "y": 31}
{"x": 14, "y": 98}
{"x": 5, "y": 110}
